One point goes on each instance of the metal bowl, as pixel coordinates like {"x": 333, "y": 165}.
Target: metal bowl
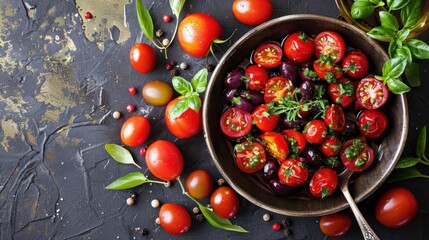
{"x": 247, "y": 185}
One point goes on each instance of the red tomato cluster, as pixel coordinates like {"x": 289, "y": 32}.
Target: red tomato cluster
{"x": 302, "y": 111}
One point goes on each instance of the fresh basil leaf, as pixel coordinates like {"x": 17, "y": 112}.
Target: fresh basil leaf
{"x": 406, "y": 162}
{"x": 131, "y": 180}
{"x": 120, "y": 154}
{"x": 404, "y": 174}
{"x": 181, "y": 85}
{"x": 388, "y": 20}
{"x": 176, "y": 6}
{"x": 194, "y": 102}
{"x": 218, "y": 222}
{"x": 394, "y": 67}
{"x": 199, "y": 81}
{"x": 410, "y": 14}
{"x": 145, "y": 20}
{"x": 397, "y": 4}
{"x": 393, "y": 46}
{"x": 402, "y": 34}
{"x": 180, "y": 107}
{"x": 381, "y": 33}
{"x": 362, "y": 9}
{"x": 404, "y": 52}
{"x": 421, "y": 143}
{"x": 412, "y": 73}
{"x": 419, "y": 49}
{"x": 396, "y": 86}
{"x": 376, "y": 2}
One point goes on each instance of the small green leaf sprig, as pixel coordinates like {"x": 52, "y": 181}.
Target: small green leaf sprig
{"x": 405, "y": 168}
{"x": 146, "y": 22}
{"x": 134, "y": 179}
{"x": 190, "y": 92}
{"x": 396, "y": 30}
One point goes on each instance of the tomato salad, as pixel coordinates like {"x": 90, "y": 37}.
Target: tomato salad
{"x": 303, "y": 110}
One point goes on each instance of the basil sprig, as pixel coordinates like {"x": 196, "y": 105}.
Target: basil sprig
{"x": 131, "y": 180}
{"x": 190, "y": 93}
{"x": 405, "y": 168}
{"x": 396, "y": 30}
{"x": 120, "y": 154}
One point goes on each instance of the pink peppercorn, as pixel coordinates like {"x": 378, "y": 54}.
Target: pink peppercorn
{"x": 132, "y": 90}
{"x": 131, "y": 108}
{"x": 166, "y": 18}
{"x": 143, "y": 151}
{"x": 88, "y": 15}
{"x": 276, "y": 227}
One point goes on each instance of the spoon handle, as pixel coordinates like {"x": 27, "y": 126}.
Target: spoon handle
{"x": 368, "y": 233}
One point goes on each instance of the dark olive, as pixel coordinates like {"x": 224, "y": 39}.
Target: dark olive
{"x": 297, "y": 124}
{"x": 243, "y": 103}
{"x": 289, "y": 71}
{"x": 234, "y": 79}
{"x": 313, "y": 155}
{"x": 270, "y": 170}
{"x": 351, "y": 128}
{"x": 229, "y": 94}
{"x": 279, "y": 188}
{"x": 334, "y": 163}
{"x": 307, "y": 90}
{"x": 255, "y": 97}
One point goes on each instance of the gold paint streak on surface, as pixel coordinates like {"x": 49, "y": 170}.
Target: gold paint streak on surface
{"x": 15, "y": 103}
{"x": 106, "y": 14}
{"x": 10, "y": 131}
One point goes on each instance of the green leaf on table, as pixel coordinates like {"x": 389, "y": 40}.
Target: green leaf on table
{"x": 396, "y": 86}
{"x": 421, "y": 143}
{"x": 410, "y": 14}
{"x": 130, "y": 180}
{"x": 362, "y": 9}
{"x": 381, "y": 33}
{"x": 145, "y": 20}
{"x": 181, "y": 85}
{"x": 404, "y": 174}
{"x": 396, "y": 4}
{"x": 176, "y": 6}
{"x": 199, "y": 81}
{"x": 388, "y": 21}
{"x": 412, "y": 73}
{"x": 419, "y": 49}
{"x": 394, "y": 67}
{"x": 406, "y": 162}
{"x": 194, "y": 102}
{"x": 120, "y": 154}
{"x": 180, "y": 107}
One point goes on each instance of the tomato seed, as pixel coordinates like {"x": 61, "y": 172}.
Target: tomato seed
{"x": 276, "y": 227}
{"x": 132, "y": 90}
{"x": 88, "y": 15}
{"x": 131, "y": 108}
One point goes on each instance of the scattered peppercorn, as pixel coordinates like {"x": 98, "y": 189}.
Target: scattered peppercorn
{"x": 166, "y": 18}
{"x": 287, "y": 232}
{"x": 133, "y": 195}
{"x": 244, "y": 202}
{"x": 168, "y": 67}
{"x": 143, "y": 151}
{"x": 266, "y": 217}
{"x": 130, "y": 201}
{"x": 183, "y": 66}
{"x": 116, "y": 115}
{"x": 210, "y": 67}
{"x": 88, "y": 15}
{"x": 132, "y": 90}
{"x": 220, "y": 182}
{"x": 159, "y": 33}
{"x": 131, "y": 108}
{"x": 154, "y": 203}
{"x": 167, "y": 184}
{"x": 196, "y": 210}
{"x": 174, "y": 72}
{"x": 199, "y": 217}
{"x": 157, "y": 221}
{"x": 144, "y": 231}
{"x": 286, "y": 222}
{"x": 276, "y": 226}
{"x": 165, "y": 42}
{"x": 173, "y": 63}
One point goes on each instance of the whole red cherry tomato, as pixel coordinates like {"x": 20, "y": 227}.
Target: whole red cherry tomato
{"x": 298, "y": 48}
{"x": 174, "y": 218}
{"x": 315, "y": 131}
{"x": 143, "y": 58}
{"x": 257, "y": 77}
{"x": 356, "y": 155}
{"x": 135, "y": 131}
{"x": 295, "y": 141}
{"x": 335, "y": 118}
{"x": 264, "y": 121}
{"x": 396, "y": 207}
{"x": 335, "y": 225}
{"x": 224, "y": 202}
{"x": 371, "y": 93}
{"x": 355, "y": 64}
{"x": 164, "y": 160}
{"x": 331, "y": 146}
{"x": 199, "y": 184}
{"x": 323, "y": 183}
{"x": 275, "y": 144}
{"x": 186, "y": 125}
{"x": 268, "y": 55}
{"x": 293, "y": 173}
{"x": 197, "y": 32}
{"x": 252, "y": 12}
{"x": 250, "y": 157}
{"x": 372, "y": 123}
{"x": 330, "y": 44}
{"x": 157, "y": 93}
{"x": 236, "y": 122}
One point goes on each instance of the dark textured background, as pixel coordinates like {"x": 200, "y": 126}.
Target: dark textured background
{"x": 62, "y": 76}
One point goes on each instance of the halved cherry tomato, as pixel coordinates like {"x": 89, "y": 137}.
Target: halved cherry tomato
{"x": 268, "y": 55}
{"x": 356, "y": 155}
{"x": 275, "y": 144}
{"x": 257, "y": 77}
{"x": 293, "y": 173}
{"x": 335, "y": 118}
{"x": 343, "y": 92}
{"x": 224, "y": 202}
{"x": 264, "y": 121}
{"x": 250, "y": 156}
{"x": 174, "y": 218}
{"x": 295, "y": 140}
{"x": 331, "y": 146}
{"x": 298, "y": 48}
{"x": 324, "y": 182}
{"x": 327, "y": 70}
{"x": 331, "y": 44}
{"x": 372, "y": 123}
{"x": 315, "y": 131}
{"x": 236, "y": 122}
{"x": 355, "y": 64}
{"x": 371, "y": 93}
{"x": 277, "y": 88}
{"x": 336, "y": 224}
{"x": 252, "y": 12}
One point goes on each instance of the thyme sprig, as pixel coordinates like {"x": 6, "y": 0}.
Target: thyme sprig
{"x": 291, "y": 107}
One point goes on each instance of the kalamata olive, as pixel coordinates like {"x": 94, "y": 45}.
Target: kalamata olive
{"x": 255, "y": 97}
{"x": 288, "y": 70}
{"x": 313, "y": 155}
{"x": 307, "y": 74}
{"x": 243, "y": 103}
{"x": 307, "y": 90}
{"x": 281, "y": 189}
{"x": 351, "y": 128}
{"x": 234, "y": 79}
{"x": 270, "y": 170}
{"x": 297, "y": 124}
{"x": 229, "y": 94}
{"x": 334, "y": 163}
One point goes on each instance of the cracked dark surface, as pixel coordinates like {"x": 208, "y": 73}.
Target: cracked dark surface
{"x": 55, "y": 118}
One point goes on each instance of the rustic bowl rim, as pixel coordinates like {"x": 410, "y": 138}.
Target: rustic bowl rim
{"x": 207, "y": 119}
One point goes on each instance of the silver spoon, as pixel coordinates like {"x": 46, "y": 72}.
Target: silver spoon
{"x": 367, "y": 232}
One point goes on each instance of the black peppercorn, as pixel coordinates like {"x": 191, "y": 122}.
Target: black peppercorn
{"x": 210, "y": 67}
